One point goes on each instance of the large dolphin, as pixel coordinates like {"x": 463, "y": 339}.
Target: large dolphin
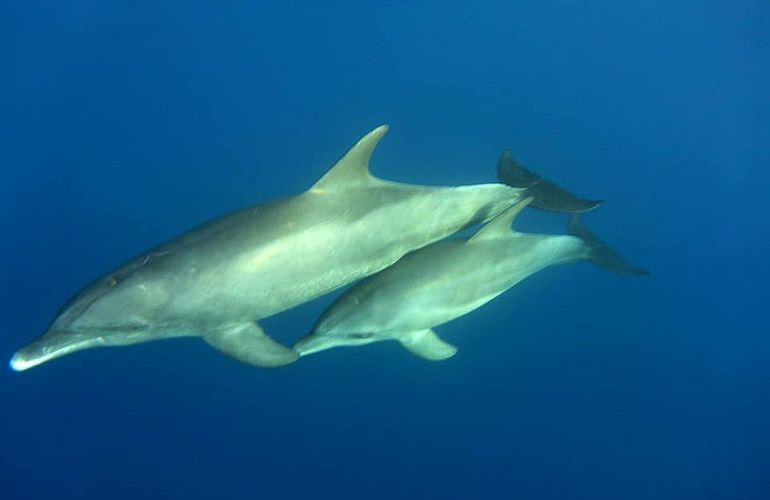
{"x": 546, "y": 194}
{"x": 215, "y": 281}
{"x": 446, "y": 280}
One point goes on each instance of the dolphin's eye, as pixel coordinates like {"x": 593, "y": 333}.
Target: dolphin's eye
{"x": 360, "y": 335}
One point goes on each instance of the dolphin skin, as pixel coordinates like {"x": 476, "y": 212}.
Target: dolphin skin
{"x": 447, "y": 280}
{"x": 215, "y": 281}
{"x": 546, "y": 194}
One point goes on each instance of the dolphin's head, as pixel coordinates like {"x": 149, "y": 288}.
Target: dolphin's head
{"x": 343, "y": 324}
{"x": 114, "y": 310}
{"x": 358, "y": 317}
{"x": 316, "y": 342}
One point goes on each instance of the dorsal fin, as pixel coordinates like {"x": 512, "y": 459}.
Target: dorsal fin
{"x": 353, "y": 167}
{"x": 500, "y": 226}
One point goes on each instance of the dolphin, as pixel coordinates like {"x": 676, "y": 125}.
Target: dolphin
{"x": 447, "y": 280}
{"x": 547, "y": 195}
{"x": 215, "y": 281}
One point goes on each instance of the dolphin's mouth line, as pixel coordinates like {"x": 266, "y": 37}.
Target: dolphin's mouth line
{"x": 20, "y": 361}
{"x": 63, "y": 341}
{"x": 305, "y": 346}
{"x": 106, "y": 329}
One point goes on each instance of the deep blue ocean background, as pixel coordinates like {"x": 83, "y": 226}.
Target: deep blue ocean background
{"x": 126, "y": 123}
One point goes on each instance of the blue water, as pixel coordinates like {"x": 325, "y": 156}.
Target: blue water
{"x": 125, "y": 123}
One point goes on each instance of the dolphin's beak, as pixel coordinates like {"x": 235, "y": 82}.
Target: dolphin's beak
{"x": 29, "y": 356}
{"x": 52, "y": 345}
{"x": 19, "y": 362}
{"x": 312, "y": 343}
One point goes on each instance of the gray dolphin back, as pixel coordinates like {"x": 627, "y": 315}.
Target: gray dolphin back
{"x": 601, "y": 254}
{"x": 547, "y": 195}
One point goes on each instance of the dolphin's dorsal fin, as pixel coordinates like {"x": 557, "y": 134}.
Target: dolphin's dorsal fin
{"x": 353, "y": 168}
{"x": 428, "y": 345}
{"x": 500, "y": 226}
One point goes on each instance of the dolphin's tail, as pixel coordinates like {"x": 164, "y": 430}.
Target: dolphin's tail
{"x": 547, "y": 195}
{"x": 601, "y": 254}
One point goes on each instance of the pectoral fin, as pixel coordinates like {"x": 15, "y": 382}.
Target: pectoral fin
{"x": 428, "y": 345}
{"x": 248, "y": 343}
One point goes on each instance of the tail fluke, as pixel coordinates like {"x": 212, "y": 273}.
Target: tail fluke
{"x": 547, "y": 195}
{"x": 601, "y": 254}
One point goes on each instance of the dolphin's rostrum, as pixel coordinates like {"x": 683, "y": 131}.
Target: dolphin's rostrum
{"x": 215, "y": 281}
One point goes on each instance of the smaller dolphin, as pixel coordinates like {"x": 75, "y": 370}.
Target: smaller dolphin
{"x": 547, "y": 195}
{"x": 447, "y": 280}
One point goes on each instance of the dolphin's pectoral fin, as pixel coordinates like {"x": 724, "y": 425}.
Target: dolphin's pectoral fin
{"x": 428, "y": 345}
{"x": 248, "y": 343}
